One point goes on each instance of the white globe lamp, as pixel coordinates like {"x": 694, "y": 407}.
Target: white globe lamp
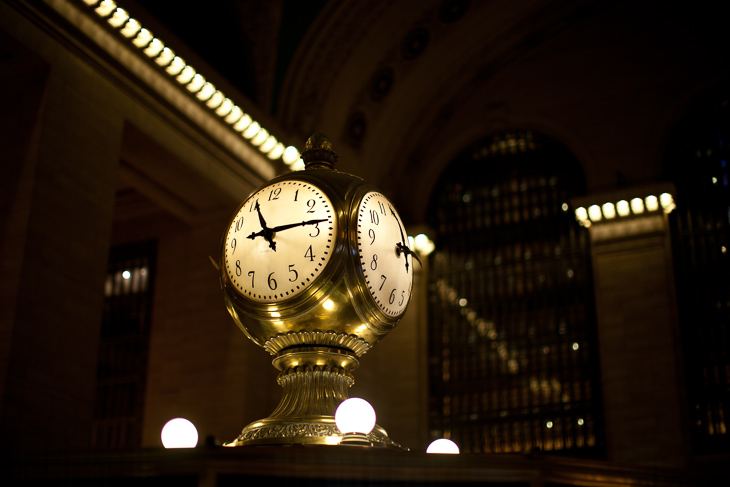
{"x": 355, "y": 418}
{"x": 179, "y": 433}
{"x": 443, "y": 445}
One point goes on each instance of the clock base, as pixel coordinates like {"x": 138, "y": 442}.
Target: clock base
{"x": 304, "y": 431}
{"x": 315, "y": 380}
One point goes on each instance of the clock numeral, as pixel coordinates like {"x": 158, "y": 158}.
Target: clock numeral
{"x": 382, "y": 207}
{"x": 374, "y": 218}
{"x": 374, "y": 262}
{"x": 382, "y": 283}
{"x": 239, "y": 224}
{"x": 252, "y": 274}
{"x": 316, "y": 227}
{"x": 233, "y": 246}
{"x": 371, "y": 232}
{"x": 310, "y": 204}
{"x": 402, "y": 298}
{"x": 391, "y": 298}
{"x": 272, "y": 282}
{"x": 296, "y": 195}
{"x": 296, "y": 274}
{"x": 309, "y": 254}
{"x": 253, "y": 205}
{"x": 238, "y": 268}
{"x": 274, "y": 194}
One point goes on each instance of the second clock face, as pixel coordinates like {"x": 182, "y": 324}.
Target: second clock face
{"x": 280, "y": 241}
{"x": 385, "y": 260}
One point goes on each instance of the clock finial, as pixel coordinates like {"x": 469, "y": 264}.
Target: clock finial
{"x": 318, "y": 152}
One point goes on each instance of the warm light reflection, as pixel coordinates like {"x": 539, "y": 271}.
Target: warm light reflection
{"x": 329, "y": 305}
{"x": 667, "y": 202}
{"x": 422, "y": 244}
{"x": 652, "y": 203}
{"x": 609, "y": 211}
{"x": 235, "y": 115}
{"x": 119, "y": 18}
{"x": 154, "y": 48}
{"x": 243, "y": 123}
{"x": 276, "y": 152}
{"x": 267, "y": 146}
{"x": 291, "y": 155}
{"x": 224, "y": 108}
{"x": 252, "y": 130}
{"x": 260, "y": 137}
{"x": 131, "y": 28}
{"x": 165, "y": 57}
{"x": 206, "y": 91}
{"x": 594, "y": 212}
{"x": 622, "y": 208}
{"x": 106, "y": 7}
{"x": 176, "y": 66}
{"x": 215, "y": 101}
{"x": 637, "y": 206}
{"x": 196, "y": 83}
{"x": 143, "y": 38}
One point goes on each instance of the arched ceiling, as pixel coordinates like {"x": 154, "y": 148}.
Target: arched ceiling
{"x": 400, "y": 87}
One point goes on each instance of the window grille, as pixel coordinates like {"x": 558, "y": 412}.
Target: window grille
{"x": 512, "y": 329}
{"x": 123, "y": 347}
{"x": 700, "y": 226}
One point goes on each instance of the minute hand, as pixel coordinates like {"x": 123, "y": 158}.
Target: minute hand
{"x": 300, "y": 224}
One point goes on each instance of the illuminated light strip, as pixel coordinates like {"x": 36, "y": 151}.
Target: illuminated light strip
{"x": 195, "y": 83}
{"x": 621, "y": 209}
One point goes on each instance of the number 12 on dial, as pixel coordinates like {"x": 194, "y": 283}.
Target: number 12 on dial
{"x": 385, "y": 259}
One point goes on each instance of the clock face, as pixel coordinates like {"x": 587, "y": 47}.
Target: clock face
{"x": 280, "y": 241}
{"x": 385, "y": 259}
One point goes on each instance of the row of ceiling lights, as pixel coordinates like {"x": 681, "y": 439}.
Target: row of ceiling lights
{"x": 195, "y": 83}
{"x": 624, "y": 208}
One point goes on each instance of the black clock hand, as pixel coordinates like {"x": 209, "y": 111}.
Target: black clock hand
{"x": 300, "y": 224}
{"x": 406, "y": 250}
{"x": 265, "y": 232}
{"x": 402, "y": 246}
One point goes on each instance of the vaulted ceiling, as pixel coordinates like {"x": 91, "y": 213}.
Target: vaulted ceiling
{"x": 401, "y": 87}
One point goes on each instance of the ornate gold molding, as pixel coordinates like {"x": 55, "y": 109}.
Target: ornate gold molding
{"x": 281, "y": 341}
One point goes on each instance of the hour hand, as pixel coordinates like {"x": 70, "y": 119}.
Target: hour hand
{"x": 265, "y": 232}
{"x": 268, "y": 236}
{"x": 403, "y": 248}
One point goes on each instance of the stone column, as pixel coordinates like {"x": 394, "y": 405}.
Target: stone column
{"x": 60, "y": 150}
{"x": 638, "y": 336}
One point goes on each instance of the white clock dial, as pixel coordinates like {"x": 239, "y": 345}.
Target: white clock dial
{"x": 385, "y": 259}
{"x": 280, "y": 241}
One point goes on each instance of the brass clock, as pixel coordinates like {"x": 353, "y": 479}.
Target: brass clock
{"x": 385, "y": 258}
{"x": 316, "y": 269}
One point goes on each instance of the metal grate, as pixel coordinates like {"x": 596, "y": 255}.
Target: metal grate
{"x": 512, "y": 332}
{"x": 698, "y": 165}
{"x": 123, "y": 348}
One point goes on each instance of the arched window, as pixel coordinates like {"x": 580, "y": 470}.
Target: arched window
{"x": 512, "y": 327}
{"x": 697, "y": 162}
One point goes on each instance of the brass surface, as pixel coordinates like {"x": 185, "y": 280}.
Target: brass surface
{"x": 318, "y": 335}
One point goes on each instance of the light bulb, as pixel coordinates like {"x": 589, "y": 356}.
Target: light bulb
{"x": 355, "y": 415}
{"x": 179, "y": 433}
{"x": 442, "y": 445}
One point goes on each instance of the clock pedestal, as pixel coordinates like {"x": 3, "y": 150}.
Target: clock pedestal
{"x": 315, "y": 381}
